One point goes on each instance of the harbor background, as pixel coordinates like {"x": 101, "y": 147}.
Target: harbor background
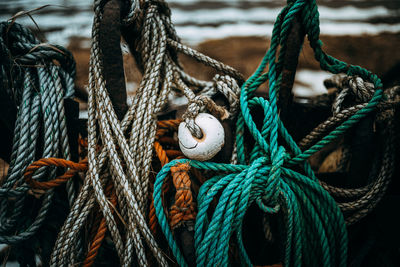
{"x": 236, "y": 32}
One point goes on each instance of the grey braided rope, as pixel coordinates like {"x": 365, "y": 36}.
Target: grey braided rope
{"x": 356, "y": 203}
{"x": 38, "y": 88}
{"x": 131, "y": 182}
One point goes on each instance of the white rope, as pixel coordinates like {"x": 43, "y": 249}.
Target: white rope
{"x": 127, "y": 162}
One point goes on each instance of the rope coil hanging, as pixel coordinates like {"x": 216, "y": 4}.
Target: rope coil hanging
{"x": 272, "y": 174}
{"x": 266, "y": 176}
{"x": 128, "y": 161}
{"x": 37, "y": 87}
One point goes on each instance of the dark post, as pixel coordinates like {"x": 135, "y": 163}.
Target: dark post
{"x": 291, "y": 59}
{"x": 110, "y": 47}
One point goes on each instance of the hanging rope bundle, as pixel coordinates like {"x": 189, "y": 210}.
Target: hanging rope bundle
{"x": 126, "y": 162}
{"x": 274, "y": 173}
{"x": 37, "y": 87}
{"x": 35, "y": 79}
{"x": 122, "y": 203}
{"x": 356, "y": 203}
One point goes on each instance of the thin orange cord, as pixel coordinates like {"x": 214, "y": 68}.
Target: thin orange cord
{"x": 101, "y": 230}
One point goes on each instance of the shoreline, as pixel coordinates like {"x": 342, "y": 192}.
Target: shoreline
{"x": 377, "y": 53}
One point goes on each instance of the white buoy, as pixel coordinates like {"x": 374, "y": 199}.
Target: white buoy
{"x": 209, "y": 145}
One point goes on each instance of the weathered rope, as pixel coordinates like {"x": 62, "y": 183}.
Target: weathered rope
{"x": 129, "y": 160}
{"x": 183, "y": 209}
{"x": 273, "y": 174}
{"x": 164, "y": 157}
{"x": 101, "y": 229}
{"x": 37, "y": 86}
{"x": 356, "y": 203}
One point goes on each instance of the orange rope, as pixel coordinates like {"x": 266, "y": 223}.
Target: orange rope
{"x": 169, "y": 124}
{"x": 184, "y": 207}
{"x": 162, "y": 156}
{"x": 163, "y": 127}
{"x": 101, "y": 230}
{"x": 73, "y": 169}
{"x": 182, "y": 210}
{"x": 83, "y": 142}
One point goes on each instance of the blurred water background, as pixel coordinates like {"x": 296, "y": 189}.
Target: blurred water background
{"x": 198, "y": 20}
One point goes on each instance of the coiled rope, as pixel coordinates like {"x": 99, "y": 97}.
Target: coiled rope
{"x": 181, "y": 211}
{"x": 37, "y": 86}
{"x": 356, "y": 203}
{"x": 274, "y": 174}
{"x": 128, "y": 166}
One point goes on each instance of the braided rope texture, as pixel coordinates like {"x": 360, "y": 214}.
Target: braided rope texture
{"x": 125, "y": 158}
{"x": 274, "y": 173}
{"x": 36, "y": 77}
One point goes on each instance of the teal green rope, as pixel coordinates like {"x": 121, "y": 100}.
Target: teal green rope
{"x": 313, "y": 224}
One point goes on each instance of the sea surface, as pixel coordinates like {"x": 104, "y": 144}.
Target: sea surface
{"x": 199, "y": 20}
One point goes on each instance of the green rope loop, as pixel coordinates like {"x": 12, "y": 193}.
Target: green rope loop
{"x": 314, "y": 226}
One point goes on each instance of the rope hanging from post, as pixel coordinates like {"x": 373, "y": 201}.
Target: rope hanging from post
{"x": 37, "y": 87}
{"x": 274, "y": 174}
{"x": 129, "y": 165}
{"x": 123, "y": 199}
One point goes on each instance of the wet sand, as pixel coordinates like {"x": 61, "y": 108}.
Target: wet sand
{"x": 378, "y": 53}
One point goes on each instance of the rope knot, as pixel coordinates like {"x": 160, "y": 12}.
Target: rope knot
{"x": 192, "y": 111}
{"x": 268, "y": 200}
{"x": 360, "y": 91}
{"x": 198, "y": 104}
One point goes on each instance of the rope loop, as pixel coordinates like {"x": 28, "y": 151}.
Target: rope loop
{"x": 225, "y": 85}
{"x": 274, "y": 172}
{"x": 360, "y": 91}
{"x": 36, "y": 87}
{"x": 56, "y": 162}
{"x": 228, "y": 87}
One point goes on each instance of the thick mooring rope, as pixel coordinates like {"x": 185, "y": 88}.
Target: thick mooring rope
{"x": 126, "y": 162}
{"x": 275, "y": 174}
{"x": 37, "y": 86}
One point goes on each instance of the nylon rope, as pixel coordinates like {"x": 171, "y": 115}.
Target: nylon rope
{"x": 273, "y": 174}
{"x": 276, "y": 175}
{"x": 128, "y": 166}
{"x": 37, "y": 87}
